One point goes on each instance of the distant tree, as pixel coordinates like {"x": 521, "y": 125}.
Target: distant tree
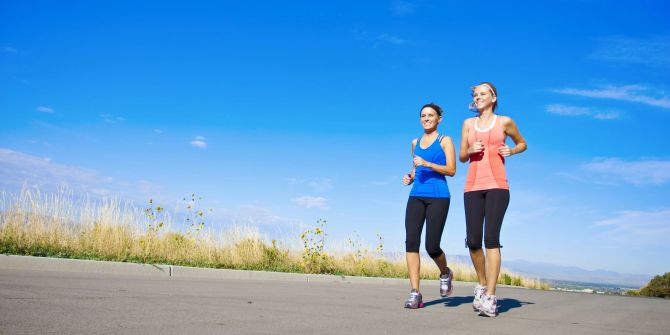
{"x": 659, "y": 286}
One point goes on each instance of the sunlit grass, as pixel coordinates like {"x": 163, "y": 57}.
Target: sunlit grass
{"x": 61, "y": 225}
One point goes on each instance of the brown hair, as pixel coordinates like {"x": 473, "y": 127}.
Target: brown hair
{"x": 434, "y": 106}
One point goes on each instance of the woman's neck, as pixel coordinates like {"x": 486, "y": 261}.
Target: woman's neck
{"x": 486, "y": 114}
{"x": 485, "y": 119}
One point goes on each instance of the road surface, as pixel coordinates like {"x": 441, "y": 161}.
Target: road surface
{"x": 64, "y": 302}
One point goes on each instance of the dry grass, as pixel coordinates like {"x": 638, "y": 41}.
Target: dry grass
{"x": 61, "y": 225}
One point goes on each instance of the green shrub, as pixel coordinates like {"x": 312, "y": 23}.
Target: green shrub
{"x": 659, "y": 286}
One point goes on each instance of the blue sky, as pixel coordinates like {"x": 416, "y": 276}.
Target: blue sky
{"x": 279, "y": 114}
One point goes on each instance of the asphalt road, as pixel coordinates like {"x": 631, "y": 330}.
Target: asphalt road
{"x": 54, "y": 302}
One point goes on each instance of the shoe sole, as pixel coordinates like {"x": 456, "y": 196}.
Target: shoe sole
{"x": 419, "y": 306}
{"x": 483, "y": 313}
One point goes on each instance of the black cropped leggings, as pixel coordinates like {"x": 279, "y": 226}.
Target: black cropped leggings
{"x": 485, "y": 205}
{"x": 434, "y": 212}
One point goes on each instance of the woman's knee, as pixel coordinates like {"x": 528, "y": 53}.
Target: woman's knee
{"x": 473, "y": 245}
{"x": 412, "y": 246}
{"x": 434, "y": 251}
{"x": 492, "y": 243}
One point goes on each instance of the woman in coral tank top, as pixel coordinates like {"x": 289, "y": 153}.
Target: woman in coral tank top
{"x": 486, "y": 190}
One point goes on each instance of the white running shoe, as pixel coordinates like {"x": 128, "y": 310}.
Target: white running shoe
{"x": 415, "y": 300}
{"x": 445, "y": 283}
{"x": 479, "y": 293}
{"x": 489, "y": 306}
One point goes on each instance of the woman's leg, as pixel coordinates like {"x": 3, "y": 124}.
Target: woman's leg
{"x": 497, "y": 201}
{"x": 415, "y": 215}
{"x": 436, "y": 217}
{"x": 474, "y": 224}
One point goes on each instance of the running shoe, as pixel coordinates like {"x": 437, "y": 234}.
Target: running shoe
{"x": 415, "y": 300}
{"x": 480, "y": 290}
{"x": 445, "y": 283}
{"x": 479, "y": 293}
{"x": 489, "y": 306}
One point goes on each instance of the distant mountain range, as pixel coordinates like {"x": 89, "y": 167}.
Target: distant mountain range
{"x": 550, "y": 271}
{"x": 575, "y": 274}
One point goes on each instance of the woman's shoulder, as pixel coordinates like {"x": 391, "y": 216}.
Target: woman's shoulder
{"x": 505, "y": 120}
{"x": 443, "y": 138}
{"x": 469, "y": 121}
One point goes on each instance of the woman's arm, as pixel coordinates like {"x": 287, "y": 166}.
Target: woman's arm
{"x": 512, "y": 131}
{"x": 448, "y": 170}
{"x": 465, "y": 151}
{"x": 409, "y": 177}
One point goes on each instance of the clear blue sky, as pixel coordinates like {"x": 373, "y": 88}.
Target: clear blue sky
{"x": 279, "y": 114}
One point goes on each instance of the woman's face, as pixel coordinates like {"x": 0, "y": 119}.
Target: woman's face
{"x": 482, "y": 97}
{"x": 429, "y": 118}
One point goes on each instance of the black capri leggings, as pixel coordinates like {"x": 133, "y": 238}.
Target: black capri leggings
{"x": 485, "y": 204}
{"x": 434, "y": 212}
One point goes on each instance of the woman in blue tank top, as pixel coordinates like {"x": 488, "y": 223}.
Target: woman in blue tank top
{"x": 433, "y": 158}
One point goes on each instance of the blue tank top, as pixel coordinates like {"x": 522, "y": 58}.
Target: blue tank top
{"x": 428, "y": 182}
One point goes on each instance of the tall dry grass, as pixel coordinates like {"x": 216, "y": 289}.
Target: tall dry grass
{"x": 62, "y": 225}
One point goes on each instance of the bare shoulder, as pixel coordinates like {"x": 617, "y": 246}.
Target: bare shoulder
{"x": 506, "y": 120}
{"x": 468, "y": 122}
{"x": 445, "y": 139}
{"x": 414, "y": 140}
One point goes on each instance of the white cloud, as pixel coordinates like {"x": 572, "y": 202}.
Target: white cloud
{"x": 43, "y": 109}
{"x": 109, "y": 118}
{"x": 611, "y": 115}
{"x": 316, "y": 184}
{"x": 390, "y": 39}
{"x": 199, "y": 142}
{"x": 18, "y": 170}
{"x": 653, "y": 50}
{"x": 642, "y": 172}
{"x": 630, "y": 93}
{"x": 377, "y": 39}
{"x": 320, "y": 184}
{"x": 635, "y": 227}
{"x": 158, "y": 131}
{"x": 309, "y": 202}
{"x": 402, "y": 8}
{"x": 568, "y": 110}
{"x": 565, "y": 110}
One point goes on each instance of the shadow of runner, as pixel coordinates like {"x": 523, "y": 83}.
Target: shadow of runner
{"x": 449, "y": 302}
{"x": 504, "y": 305}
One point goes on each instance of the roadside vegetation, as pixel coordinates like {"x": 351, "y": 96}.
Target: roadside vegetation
{"x": 62, "y": 225}
{"x": 659, "y": 286}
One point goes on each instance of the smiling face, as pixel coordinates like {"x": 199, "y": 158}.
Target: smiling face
{"x": 483, "y": 97}
{"x": 430, "y": 118}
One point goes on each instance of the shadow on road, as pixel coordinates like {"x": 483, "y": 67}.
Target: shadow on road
{"x": 504, "y": 305}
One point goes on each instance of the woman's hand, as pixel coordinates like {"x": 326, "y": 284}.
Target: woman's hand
{"x": 407, "y": 179}
{"x": 505, "y": 151}
{"x": 418, "y": 161}
{"x": 476, "y": 147}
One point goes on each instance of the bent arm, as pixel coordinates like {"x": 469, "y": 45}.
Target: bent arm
{"x": 409, "y": 177}
{"x": 450, "y": 168}
{"x": 512, "y": 131}
{"x": 463, "y": 154}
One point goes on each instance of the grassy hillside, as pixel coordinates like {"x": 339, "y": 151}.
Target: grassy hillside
{"x": 61, "y": 225}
